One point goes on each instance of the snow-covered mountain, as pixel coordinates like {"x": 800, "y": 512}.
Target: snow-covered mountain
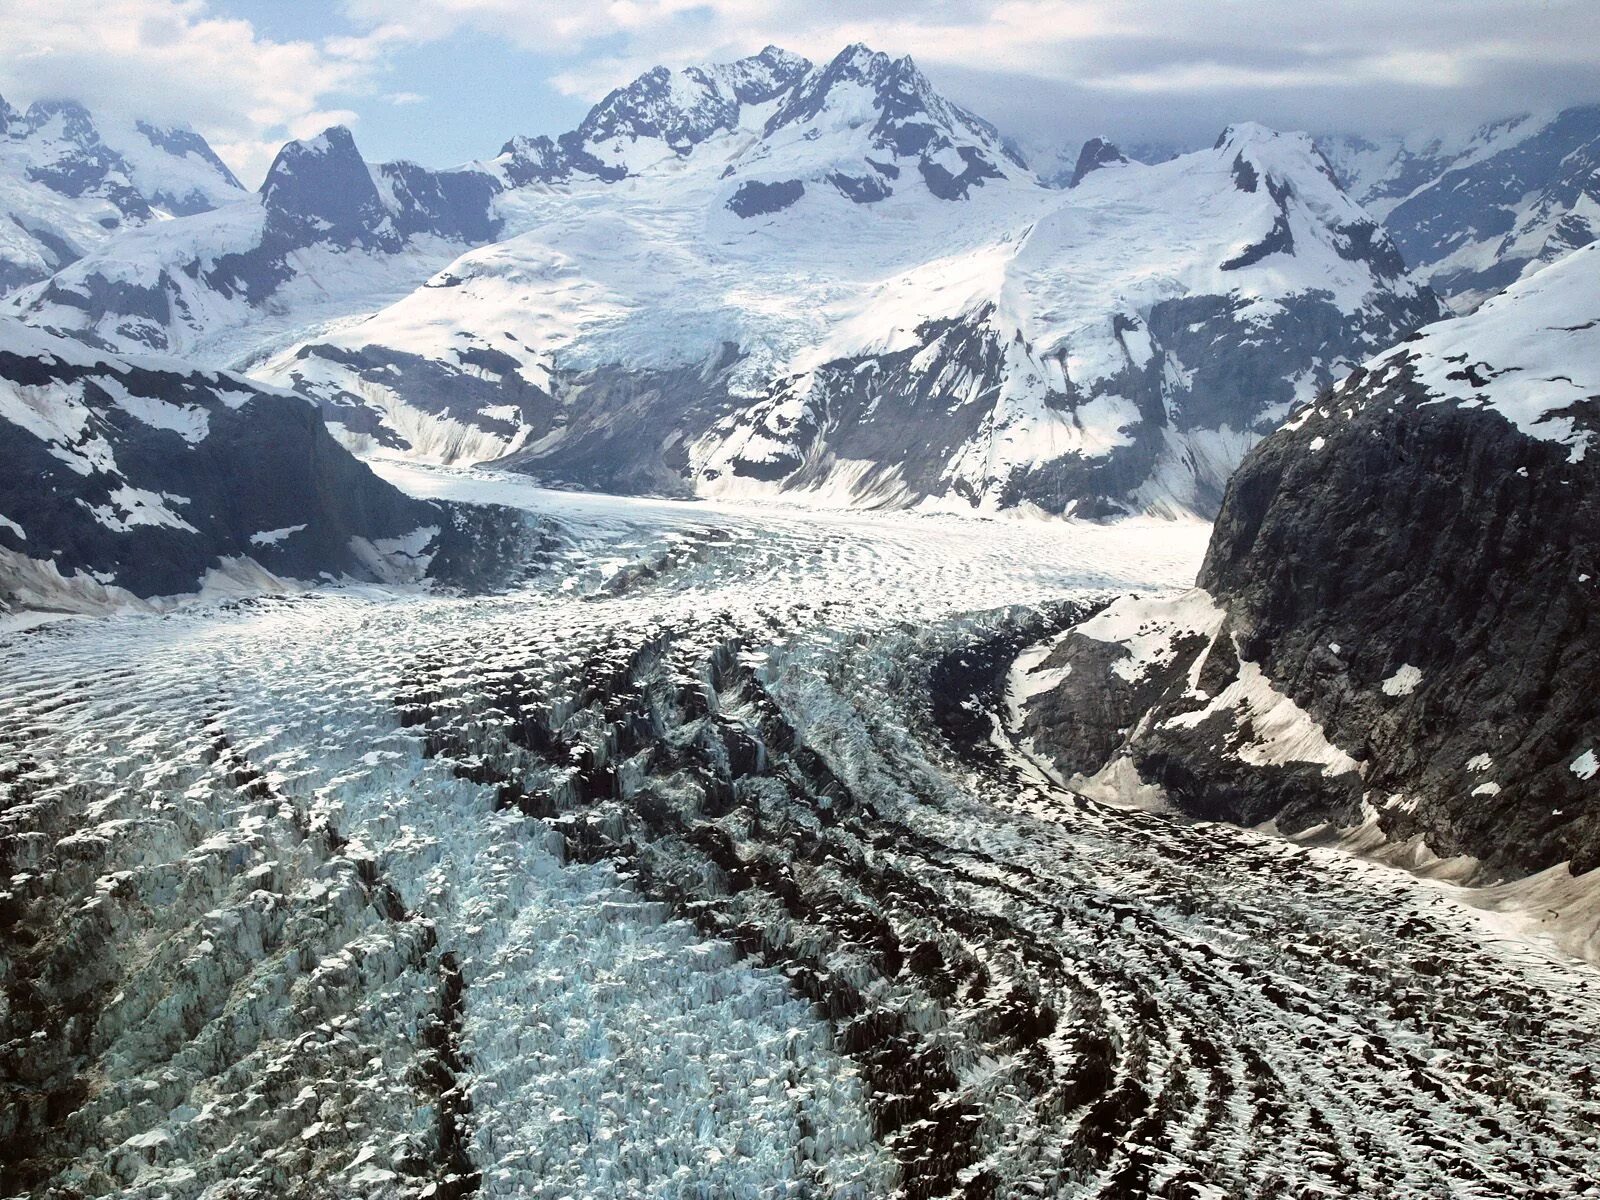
{"x": 70, "y": 180}
{"x": 138, "y": 480}
{"x": 771, "y": 276}
{"x": 325, "y": 235}
{"x": 1395, "y": 623}
{"x": 852, "y": 291}
{"x": 1473, "y": 213}
{"x": 661, "y": 115}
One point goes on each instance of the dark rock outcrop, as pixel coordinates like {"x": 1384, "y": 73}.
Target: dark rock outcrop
{"x": 1096, "y": 153}
{"x": 122, "y": 480}
{"x": 1400, "y": 615}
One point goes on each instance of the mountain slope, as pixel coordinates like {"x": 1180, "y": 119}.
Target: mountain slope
{"x": 70, "y": 180}
{"x": 866, "y": 299}
{"x": 128, "y": 480}
{"x": 772, "y": 277}
{"x": 1472, "y": 215}
{"x": 1397, "y": 621}
{"x": 325, "y": 235}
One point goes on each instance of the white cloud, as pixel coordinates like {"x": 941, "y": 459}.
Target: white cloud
{"x": 1155, "y": 45}
{"x": 178, "y": 61}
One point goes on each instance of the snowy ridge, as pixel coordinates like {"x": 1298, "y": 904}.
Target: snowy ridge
{"x": 327, "y": 235}
{"x": 70, "y": 180}
{"x": 1472, "y": 213}
{"x": 1531, "y": 354}
{"x": 1030, "y": 345}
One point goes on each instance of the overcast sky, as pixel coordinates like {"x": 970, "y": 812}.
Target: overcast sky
{"x": 443, "y": 81}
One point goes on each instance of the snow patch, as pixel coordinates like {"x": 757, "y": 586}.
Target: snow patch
{"x": 1585, "y": 766}
{"x": 1403, "y": 682}
{"x": 1284, "y": 732}
{"x": 1148, "y": 627}
{"x": 271, "y": 537}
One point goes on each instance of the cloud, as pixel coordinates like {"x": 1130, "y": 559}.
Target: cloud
{"x": 1051, "y": 71}
{"x": 177, "y": 61}
{"x": 1071, "y": 61}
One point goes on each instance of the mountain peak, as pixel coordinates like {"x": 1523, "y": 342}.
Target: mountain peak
{"x": 1096, "y": 153}
{"x": 850, "y": 123}
{"x": 320, "y": 185}
{"x": 1248, "y": 133}
{"x": 76, "y": 116}
{"x": 759, "y": 78}
{"x": 661, "y": 114}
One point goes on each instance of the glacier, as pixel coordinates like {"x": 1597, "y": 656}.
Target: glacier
{"x": 702, "y": 863}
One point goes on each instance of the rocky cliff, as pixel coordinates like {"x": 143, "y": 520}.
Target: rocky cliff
{"x": 1397, "y": 619}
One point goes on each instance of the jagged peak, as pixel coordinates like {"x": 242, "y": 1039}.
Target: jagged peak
{"x": 1252, "y": 138}
{"x": 858, "y": 56}
{"x": 1253, "y": 150}
{"x": 899, "y": 89}
{"x": 1243, "y": 134}
{"x": 77, "y": 121}
{"x": 325, "y": 179}
{"x": 757, "y": 78}
{"x": 333, "y": 148}
{"x": 335, "y": 140}
{"x": 43, "y": 110}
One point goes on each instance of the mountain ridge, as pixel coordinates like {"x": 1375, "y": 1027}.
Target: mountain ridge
{"x": 70, "y": 180}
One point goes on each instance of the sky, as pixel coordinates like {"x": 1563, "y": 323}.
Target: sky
{"x": 446, "y": 81}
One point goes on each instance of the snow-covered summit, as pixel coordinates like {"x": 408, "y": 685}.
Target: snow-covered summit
{"x": 661, "y": 116}
{"x": 1022, "y": 344}
{"x": 865, "y": 118}
{"x": 71, "y": 179}
{"x": 853, "y": 124}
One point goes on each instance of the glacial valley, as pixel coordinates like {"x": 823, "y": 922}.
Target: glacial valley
{"x": 706, "y": 860}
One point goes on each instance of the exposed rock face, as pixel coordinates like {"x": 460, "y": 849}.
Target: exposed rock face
{"x": 1096, "y": 153}
{"x": 125, "y": 481}
{"x": 1399, "y": 610}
